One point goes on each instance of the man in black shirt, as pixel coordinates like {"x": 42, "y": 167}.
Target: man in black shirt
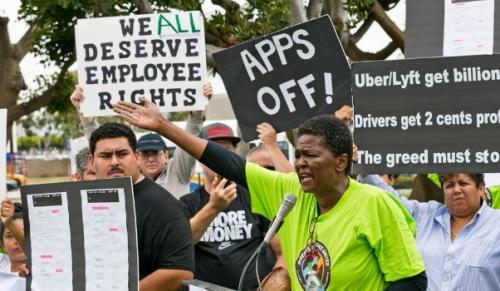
{"x": 163, "y": 233}
{"x": 225, "y": 230}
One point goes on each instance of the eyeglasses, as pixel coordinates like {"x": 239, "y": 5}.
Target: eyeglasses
{"x": 148, "y": 154}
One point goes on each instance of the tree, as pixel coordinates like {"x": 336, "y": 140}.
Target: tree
{"x": 51, "y": 35}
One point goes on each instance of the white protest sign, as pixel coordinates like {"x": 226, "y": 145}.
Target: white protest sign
{"x": 159, "y": 56}
{"x": 3, "y": 157}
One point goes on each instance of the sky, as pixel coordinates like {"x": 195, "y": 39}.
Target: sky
{"x": 374, "y": 40}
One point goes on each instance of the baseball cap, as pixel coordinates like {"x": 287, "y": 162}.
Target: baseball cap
{"x": 151, "y": 142}
{"x": 219, "y": 131}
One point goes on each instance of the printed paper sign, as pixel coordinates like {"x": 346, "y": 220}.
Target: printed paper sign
{"x": 159, "y": 56}
{"x": 81, "y": 235}
{"x": 427, "y": 115}
{"x": 286, "y": 77}
{"x": 468, "y": 27}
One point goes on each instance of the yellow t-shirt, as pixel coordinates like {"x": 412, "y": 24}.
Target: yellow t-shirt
{"x": 364, "y": 242}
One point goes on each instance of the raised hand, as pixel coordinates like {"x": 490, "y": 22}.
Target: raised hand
{"x": 221, "y": 196}
{"x": 208, "y": 90}
{"x": 267, "y": 134}
{"x": 146, "y": 116}
{"x": 77, "y": 97}
{"x": 7, "y": 211}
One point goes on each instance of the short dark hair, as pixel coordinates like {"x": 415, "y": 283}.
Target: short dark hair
{"x": 478, "y": 178}
{"x": 333, "y": 132}
{"x": 112, "y": 130}
{"x": 18, "y": 214}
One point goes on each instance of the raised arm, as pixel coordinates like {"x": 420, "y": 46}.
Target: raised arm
{"x": 147, "y": 116}
{"x": 7, "y": 217}
{"x": 88, "y": 123}
{"x": 267, "y": 134}
{"x": 183, "y": 164}
{"x": 217, "y": 158}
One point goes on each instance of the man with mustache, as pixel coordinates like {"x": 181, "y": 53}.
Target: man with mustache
{"x": 166, "y": 256}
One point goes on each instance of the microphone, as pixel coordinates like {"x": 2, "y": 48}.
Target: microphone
{"x": 287, "y": 204}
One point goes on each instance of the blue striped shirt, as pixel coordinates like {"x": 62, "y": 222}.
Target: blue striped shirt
{"x": 471, "y": 261}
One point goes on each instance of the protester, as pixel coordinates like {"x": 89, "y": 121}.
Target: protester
{"x": 341, "y": 234}
{"x": 267, "y": 135}
{"x": 83, "y": 169}
{"x": 458, "y": 240}
{"x": 224, "y": 229}
{"x": 14, "y": 260}
{"x": 164, "y": 237}
{"x": 7, "y": 210}
{"x": 173, "y": 175}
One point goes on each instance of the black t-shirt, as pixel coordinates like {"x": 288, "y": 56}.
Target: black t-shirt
{"x": 229, "y": 241}
{"x": 163, "y": 232}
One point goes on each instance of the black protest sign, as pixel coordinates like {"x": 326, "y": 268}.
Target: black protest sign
{"x": 427, "y": 115}
{"x": 81, "y": 235}
{"x": 286, "y": 77}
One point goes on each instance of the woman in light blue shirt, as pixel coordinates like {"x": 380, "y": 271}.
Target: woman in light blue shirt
{"x": 460, "y": 240}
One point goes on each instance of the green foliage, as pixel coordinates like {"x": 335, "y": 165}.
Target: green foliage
{"x": 359, "y": 10}
{"x": 25, "y": 143}
{"x": 250, "y": 21}
{"x": 54, "y": 38}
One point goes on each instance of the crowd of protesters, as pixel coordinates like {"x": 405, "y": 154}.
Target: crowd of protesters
{"x": 343, "y": 233}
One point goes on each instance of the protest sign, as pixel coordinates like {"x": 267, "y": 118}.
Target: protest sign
{"x": 3, "y": 153}
{"x": 451, "y": 27}
{"x": 427, "y": 115}
{"x": 81, "y": 235}
{"x": 286, "y": 77}
{"x": 159, "y": 56}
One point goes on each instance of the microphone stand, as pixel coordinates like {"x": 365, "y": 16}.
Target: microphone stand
{"x": 254, "y": 256}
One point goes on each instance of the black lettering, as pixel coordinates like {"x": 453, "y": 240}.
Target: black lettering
{"x": 90, "y": 52}
{"x": 150, "y": 72}
{"x": 108, "y": 72}
{"x": 174, "y": 93}
{"x": 135, "y": 78}
{"x": 91, "y": 75}
{"x": 191, "y": 47}
{"x": 135, "y": 93}
{"x": 179, "y": 72}
{"x": 124, "y": 71}
{"x": 158, "y": 46}
{"x": 194, "y": 72}
{"x": 105, "y": 100}
{"x": 106, "y": 51}
{"x": 157, "y": 99}
{"x": 140, "y": 48}
{"x": 189, "y": 93}
{"x": 124, "y": 49}
{"x": 144, "y": 26}
{"x": 163, "y": 69}
{"x": 173, "y": 48}
{"x": 127, "y": 29}
{"x": 121, "y": 93}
